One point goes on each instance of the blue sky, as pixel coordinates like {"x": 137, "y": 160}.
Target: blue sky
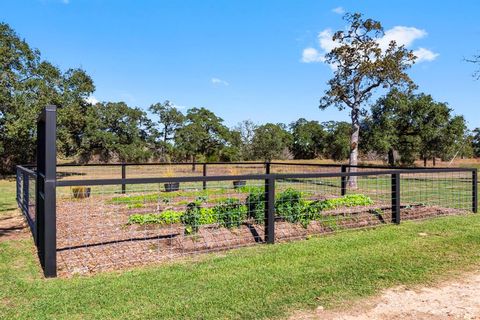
{"x": 243, "y": 59}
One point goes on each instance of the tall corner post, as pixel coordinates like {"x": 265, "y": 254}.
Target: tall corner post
{"x": 46, "y": 225}
{"x": 395, "y": 198}
{"x": 474, "y": 191}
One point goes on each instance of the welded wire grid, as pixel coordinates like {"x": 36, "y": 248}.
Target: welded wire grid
{"x": 436, "y": 193}
{"x": 99, "y": 228}
{"x": 25, "y": 187}
{"x": 318, "y": 206}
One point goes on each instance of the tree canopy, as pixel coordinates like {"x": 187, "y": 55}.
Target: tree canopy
{"x": 361, "y": 66}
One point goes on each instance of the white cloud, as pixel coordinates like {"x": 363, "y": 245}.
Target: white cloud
{"x": 92, "y": 100}
{"x": 218, "y": 82}
{"x": 423, "y": 54}
{"x": 65, "y": 1}
{"x": 338, "y": 10}
{"x": 403, "y": 36}
{"x": 312, "y": 55}
{"x": 325, "y": 40}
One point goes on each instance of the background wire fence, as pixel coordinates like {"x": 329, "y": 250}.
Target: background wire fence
{"x": 101, "y": 228}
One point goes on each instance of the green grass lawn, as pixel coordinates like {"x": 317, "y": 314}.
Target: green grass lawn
{"x": 7, "y": 195}
{"x": 265, "y": 281}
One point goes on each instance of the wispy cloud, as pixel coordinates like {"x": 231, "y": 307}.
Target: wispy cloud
{"x": 423, "y": 54}
{"x": 65, "y": 1}
{"x": 219, "y": 82}
{"x": 338, "y": 10}
{"x": 403, "y": 36}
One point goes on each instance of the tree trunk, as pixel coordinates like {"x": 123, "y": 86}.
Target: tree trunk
{"x": 424, "y": 161}
{"x": 434, "y": 161}
{"x": 352, "y": 181}
{"x": 391, "y": 158}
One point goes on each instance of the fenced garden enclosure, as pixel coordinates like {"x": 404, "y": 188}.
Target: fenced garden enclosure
{"x": 89, "y": 218}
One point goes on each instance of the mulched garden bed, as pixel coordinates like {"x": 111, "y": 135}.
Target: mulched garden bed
{"x": 93, "y": 235}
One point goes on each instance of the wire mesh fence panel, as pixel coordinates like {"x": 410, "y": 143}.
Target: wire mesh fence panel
{"x": 101, "y": 230}
{"x": 432, "y": 194}
{"x": 26, "y": 195}
{"x": 316, "y": 206}
{"x": 278, "y": 167}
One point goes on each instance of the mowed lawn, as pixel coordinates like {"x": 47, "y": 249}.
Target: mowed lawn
{"x": 7, "y": 196}
{"x": 266, "y": 281}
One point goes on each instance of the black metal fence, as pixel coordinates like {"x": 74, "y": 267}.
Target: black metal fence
{"x": 107, "y": 216}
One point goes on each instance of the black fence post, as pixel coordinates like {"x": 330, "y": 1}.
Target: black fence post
{"x": 474, "y": 191}
{"x": 396, "y": 198}
{"x": 46, "y": 225}
{"x": 270, "y": 210}
{"x": 205, "y": 174}
{"x": 343, "y": 182}
{"x": 124, "y": 176}
{"x": 267, "y": 167}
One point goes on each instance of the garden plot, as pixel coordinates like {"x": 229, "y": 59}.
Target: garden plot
{"x": 111, "y": 231}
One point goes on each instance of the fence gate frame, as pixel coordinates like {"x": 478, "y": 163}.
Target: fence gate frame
{"x": 45, "y": 208}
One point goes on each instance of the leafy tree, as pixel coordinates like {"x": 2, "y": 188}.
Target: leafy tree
{"x": 476, "y": 142}
{"x": 27, "y": 85}
{"x": 308, "y": 139}
{"x": 337, "y": 140}
{"x": 270, "y": 141}
{"x": 170, "y": 120}
{"x": 416, "y": 126}
{"x": 203, "y": 134}
{"x": 114, "y": 130}
{"x": 246, "y": 131}
{"x": 362, "y": 66}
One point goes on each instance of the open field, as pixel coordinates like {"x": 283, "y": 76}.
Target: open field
{"x": 257, "y": 282}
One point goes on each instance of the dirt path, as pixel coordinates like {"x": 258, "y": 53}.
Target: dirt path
{"x": 458, "y": 299}
{"x": 12, "y": 226}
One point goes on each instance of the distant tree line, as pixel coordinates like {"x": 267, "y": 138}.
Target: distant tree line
{"x": 400, "y": 127}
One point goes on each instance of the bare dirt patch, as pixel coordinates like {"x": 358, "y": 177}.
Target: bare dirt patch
{"x": 456, "y": 299}
{"x": 13, "y": 226}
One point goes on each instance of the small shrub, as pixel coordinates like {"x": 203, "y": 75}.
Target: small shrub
{"x": 230, "y": 213}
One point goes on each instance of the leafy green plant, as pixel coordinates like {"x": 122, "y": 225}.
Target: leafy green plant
{"x": 290, "y": 205}
{"x": 166, "y": 217}
{"x": 255, "y": 202}
{"x": 230, "y": 213}
{"x": 191, "y": 217}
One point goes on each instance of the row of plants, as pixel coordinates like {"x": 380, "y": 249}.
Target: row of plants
{"x": 290, "y": 205}
{"x": 161, "y": 197}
